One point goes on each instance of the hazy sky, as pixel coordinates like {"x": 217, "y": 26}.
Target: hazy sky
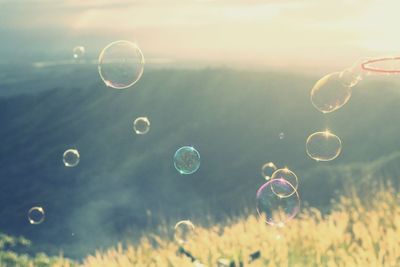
{"x": 279, "y": 33}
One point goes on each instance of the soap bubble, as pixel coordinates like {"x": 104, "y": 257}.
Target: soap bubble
{"x": 121, "y": 64}
{"x": 36, "y": 215}
{"x": 330, "y": 93}
{"x": 71, "y": 157}
{"x": 184, "y": 231}
{"x": 267, "y": 170}
{"x": 323, "y": 146}
{"x": 141, "y": 125}
{"x": 78, "y": 52}
{"x": 276, "y": 209}
{"x": 287, "y": 175}
{"x": 187, "y": 160}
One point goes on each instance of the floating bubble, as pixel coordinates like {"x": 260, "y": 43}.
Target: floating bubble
{"x": 71, "y": 158}
{"x": 184, "y": 231}
{"x": 121, "y": 64}
{"x": 287, "y": 175}
{"x": 141, "y": 125}
{"x": 323, "y": 146}
{"x": 187, "y": 160}
{"x": 330, "y": 93}
{"x": 281, "y": 136}
{"x": 78, "y": 52}
{"x": 36, "y": 215}
{"x": 276, "y": 209}
{"x": 267, "y": 170}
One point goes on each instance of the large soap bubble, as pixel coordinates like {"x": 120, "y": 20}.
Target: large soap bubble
{"x": 121, "y": 64}
{"x": 287, "y": 175}
{"x": 187, "y": 160}
{"x": 330, "y": 93}
{"x": 277, "y": 209}
{"x": 323, "y": 146}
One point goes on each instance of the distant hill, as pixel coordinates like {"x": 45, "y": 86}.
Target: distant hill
{"x": 233, "y": 118}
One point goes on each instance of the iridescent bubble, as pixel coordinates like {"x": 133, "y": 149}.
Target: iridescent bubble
{"x": 288, "y": 176}
{"x": 184, "y": 231}
{"x": 141, "y": 125}
{"x": 330, "y": 93}
{"x": 121, "y": 64}
{"x": 187, "y": 160}
{"x": 276, "y": 209}
{"x": 36, "y": 215}
{"x": 323, "y": 146}
{"x": 78, "y": 52}
{"x": 267, "y": 170}
{"x": 71, "y": 157}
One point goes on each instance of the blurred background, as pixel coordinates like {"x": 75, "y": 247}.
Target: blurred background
{"x": 227, "y": 77}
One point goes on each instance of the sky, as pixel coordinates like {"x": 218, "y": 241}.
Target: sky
{"x": 272, "y": 33}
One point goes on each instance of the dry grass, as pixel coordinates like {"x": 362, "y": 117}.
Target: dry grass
{"x": 356, "y": 233}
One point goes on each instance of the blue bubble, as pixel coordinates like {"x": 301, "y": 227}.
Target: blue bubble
{"x": 187, "y": 160}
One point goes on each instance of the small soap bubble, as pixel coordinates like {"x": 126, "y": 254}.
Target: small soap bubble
{"x": 267, "y": 170}
{"x": 187, "y": 160}
{"x": 276, "y": 209}
{"x": 121, "y": 64}
{"x": 78, "y": 52}
{"x": 184, "y": 231}
{"x": 288, "y": 176}
{"x": 141, "y": 125}
{"x": 323, "y": 146}
{"x": 71, "y": 157}
{"x": 36, "y": 215}
{"x": 330, "y": 93}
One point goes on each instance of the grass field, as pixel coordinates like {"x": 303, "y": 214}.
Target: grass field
{"x": 356, "y": 233}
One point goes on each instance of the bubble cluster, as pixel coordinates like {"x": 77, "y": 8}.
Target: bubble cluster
{"x": 78, "y": 52}
{"x": 71, "y": 157}
{"x": 184, "y": 231}
{"x": 141, "y": 125}
{"x": 323, "y": 146}
{"x": 267, "y": 170}
{"x": 36, "y": 215}
{"x": 121, "y": 64}
{"x": 274, "y": 208}
{"x": 288, "y": 176}
{"x": 187, "y": 160}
